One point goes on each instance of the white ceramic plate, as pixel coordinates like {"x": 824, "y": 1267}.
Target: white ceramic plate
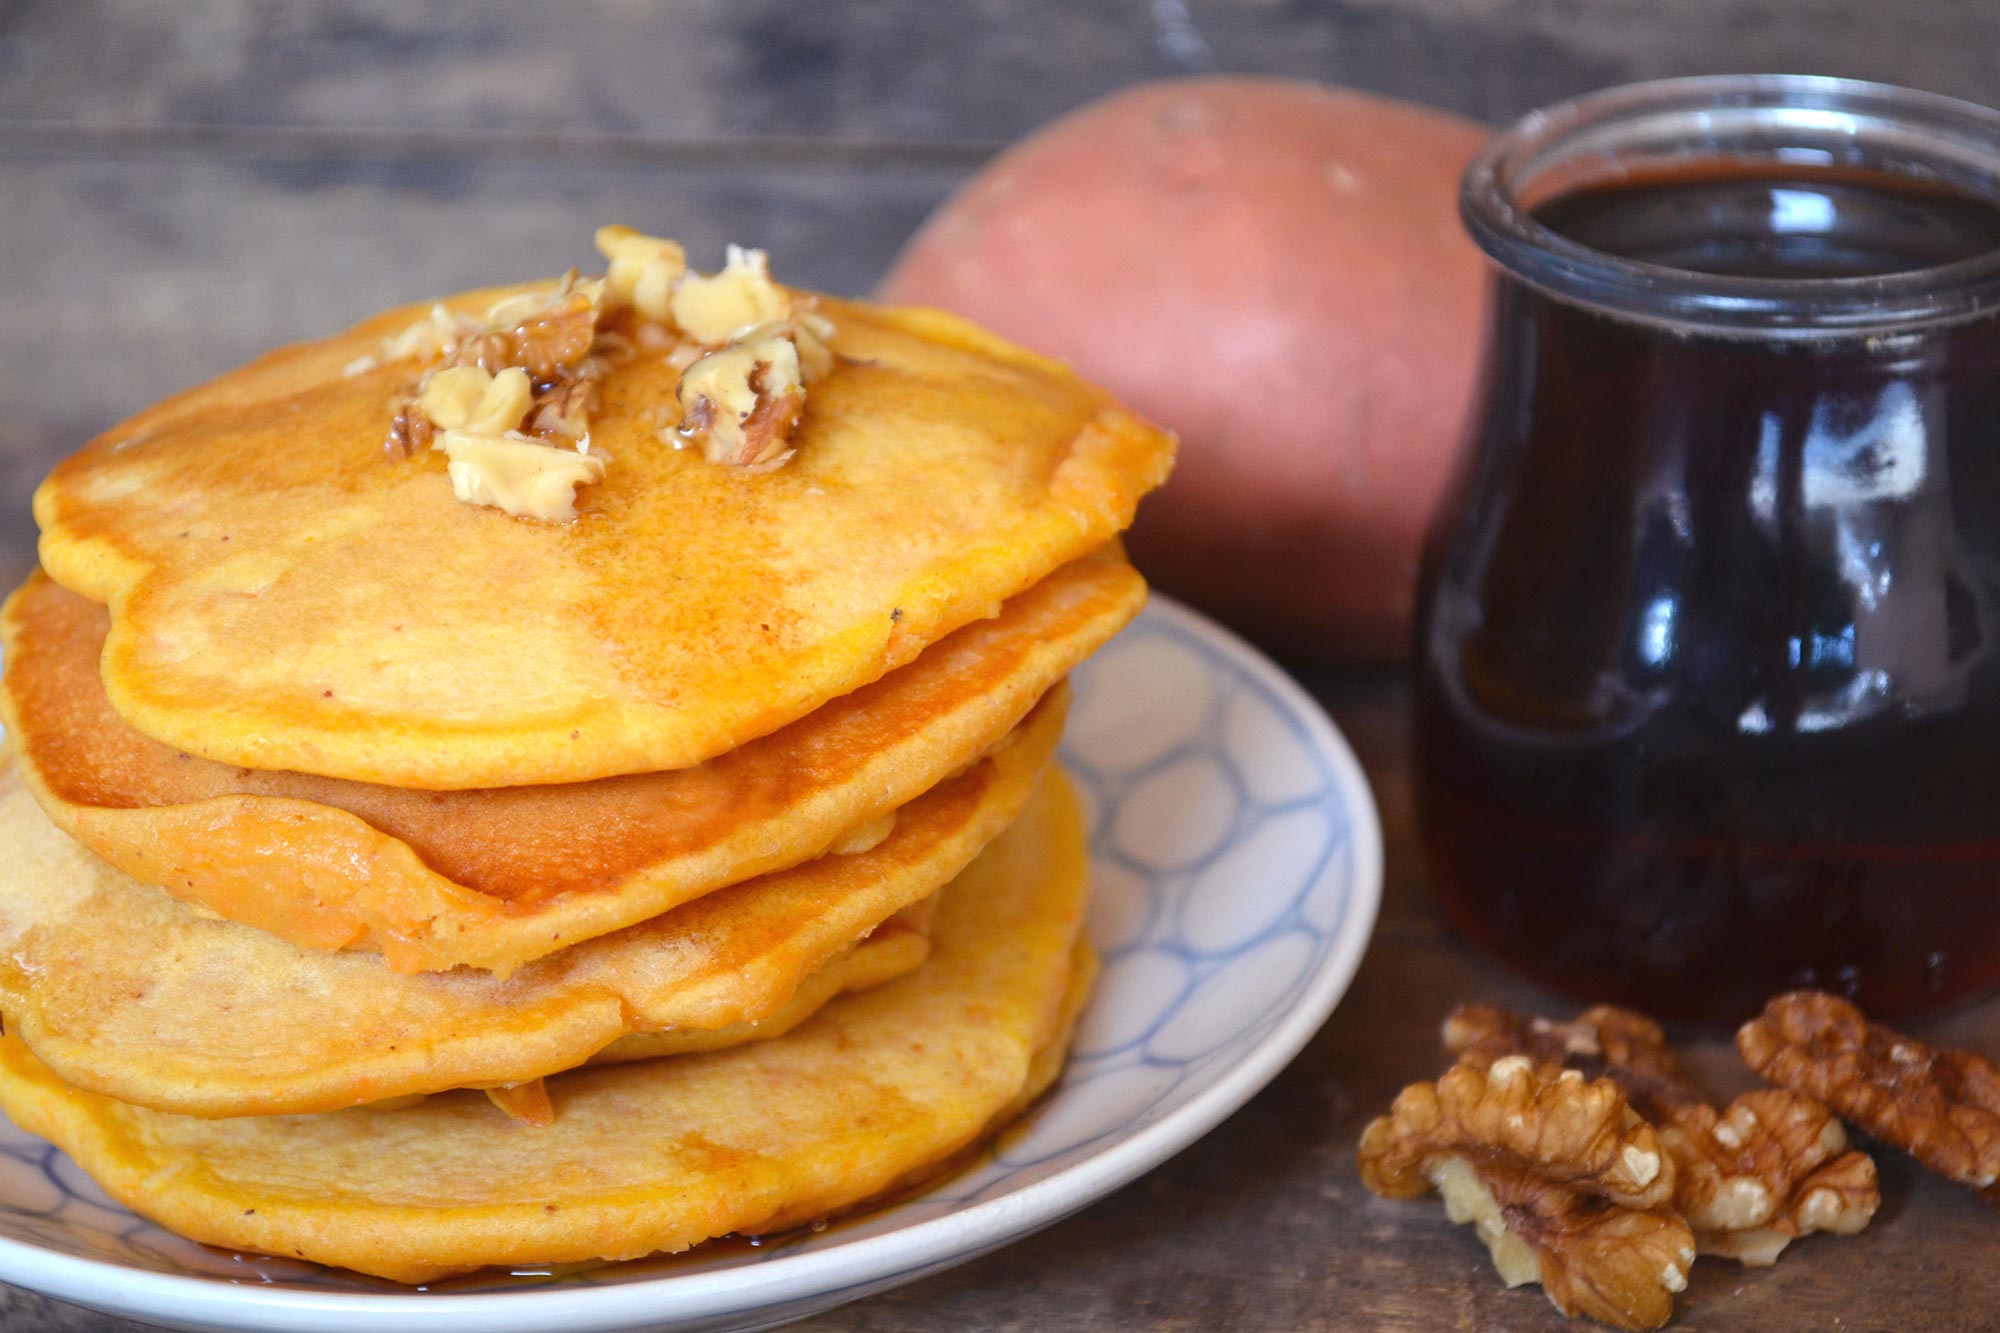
{"x": 1238, "y": 865}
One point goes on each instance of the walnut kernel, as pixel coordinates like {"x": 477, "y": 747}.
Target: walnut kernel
{"x": 717, "y": 308}
{"x": 1941, "y": 1106}
{"x": 812, "y": 334}
{"x": 1772, "y": 1167}
{"x": 1571, "y": 1176}
{"x": 467, "y": 398}
{"x": 644, "y": 270}
{"x": 1629, "y": 1048}
{"x": 742, "y": 402}
{"x": 518, "y": 475}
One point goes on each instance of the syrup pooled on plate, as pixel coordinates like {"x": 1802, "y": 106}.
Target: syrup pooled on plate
{"x": 1709, "y": 666}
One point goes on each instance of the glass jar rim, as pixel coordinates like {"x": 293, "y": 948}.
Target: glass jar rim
{"x": 1788, "y": 118}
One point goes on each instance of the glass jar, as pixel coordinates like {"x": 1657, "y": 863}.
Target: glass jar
{"x": 1708, "y": 658}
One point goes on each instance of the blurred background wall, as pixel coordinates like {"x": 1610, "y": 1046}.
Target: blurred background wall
{"x": 185, "y": 184}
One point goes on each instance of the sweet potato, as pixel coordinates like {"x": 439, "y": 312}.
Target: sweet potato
{"x": 1276, "y": 271}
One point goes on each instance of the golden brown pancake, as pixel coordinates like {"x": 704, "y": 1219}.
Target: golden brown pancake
{"x": 893, "y": 948}
{"x": 658, "y": 1155}
{"x": 492, "y": 878}
{"x": 282, "y": 596}
{"x": 1043, "y": 1070}
{"x": 126, "y": 991}
{"x": 898, "y": 945}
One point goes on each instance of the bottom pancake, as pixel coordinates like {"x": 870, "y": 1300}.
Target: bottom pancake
{"x": 876, "y": 1090}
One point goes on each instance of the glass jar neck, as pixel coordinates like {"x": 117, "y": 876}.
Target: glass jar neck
{"x": 1741, "y": 124}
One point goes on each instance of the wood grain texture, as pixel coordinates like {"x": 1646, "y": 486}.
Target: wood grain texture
{"x": 889, "y": 70}
{"x": 184, "y": 185}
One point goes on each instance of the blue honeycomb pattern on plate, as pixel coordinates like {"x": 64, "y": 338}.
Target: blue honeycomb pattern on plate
{"x": 1237, "y": 864}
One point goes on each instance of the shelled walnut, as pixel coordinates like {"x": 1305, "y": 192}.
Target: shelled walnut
{"x": 1770, "y": 1168}
{"x": 1773, "y": 1166}
{"x": 1940, "y": 1106}
{"x": 1564, "y": 1182}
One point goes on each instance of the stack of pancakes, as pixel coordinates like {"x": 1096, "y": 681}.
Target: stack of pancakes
{"x": 393, "y": 883}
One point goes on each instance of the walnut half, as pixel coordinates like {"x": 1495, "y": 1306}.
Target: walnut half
{"x": 1940, "y": 1106}
{"x": 1562, "y": 1179}
{"x": 1772, "y": 1167}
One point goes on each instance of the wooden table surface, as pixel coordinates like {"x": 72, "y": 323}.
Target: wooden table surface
{"x": 182, "y": 186}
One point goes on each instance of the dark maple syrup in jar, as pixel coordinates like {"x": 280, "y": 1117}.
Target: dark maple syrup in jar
{"x": 1708, "y": 700}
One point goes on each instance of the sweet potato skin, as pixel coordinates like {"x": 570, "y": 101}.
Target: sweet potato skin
{"x": 1276, "y": 271}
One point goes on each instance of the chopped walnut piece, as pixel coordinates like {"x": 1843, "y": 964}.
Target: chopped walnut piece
{"x": 467, "y": 398}
{"x": 547, "y": 333}
{"x": 543, "y": 330}
{"x": 718, "y": 308}
{"x": 511, "y": 312}
{"x": 504, "y": 404}
{"x": 1772, "y": 1167}
{"x": 565, "y": 411}
{"x": 432, "y": 336}
{"x": 742, "y": 403}
{"x": 518, "y": 475}
{"x": 410, "y": 431}
{"x": 450, "y": 396}
{"x": 643, "y": 270}
{"x": 1566, "y": 1173}
{"x": 1940, "y": 1106}
{"x": 529, "y": 349}
{"x": 556, "y": 341}
{"x": 811, "y": 333}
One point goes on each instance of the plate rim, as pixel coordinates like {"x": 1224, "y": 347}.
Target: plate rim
{"x": 866, "y": 1264}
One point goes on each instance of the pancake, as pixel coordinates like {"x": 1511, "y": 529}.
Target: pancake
{"x": 1043, "y": 1070}
{"x": 126, "y": 991}
{"x": 896, "y": 946}
{"x": 877, "y": 1089}
{"x": 492, "y": 878}
{"x": 282, "y": 596}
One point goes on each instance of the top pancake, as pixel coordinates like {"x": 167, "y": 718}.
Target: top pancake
{"x": 285, "y": 597}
